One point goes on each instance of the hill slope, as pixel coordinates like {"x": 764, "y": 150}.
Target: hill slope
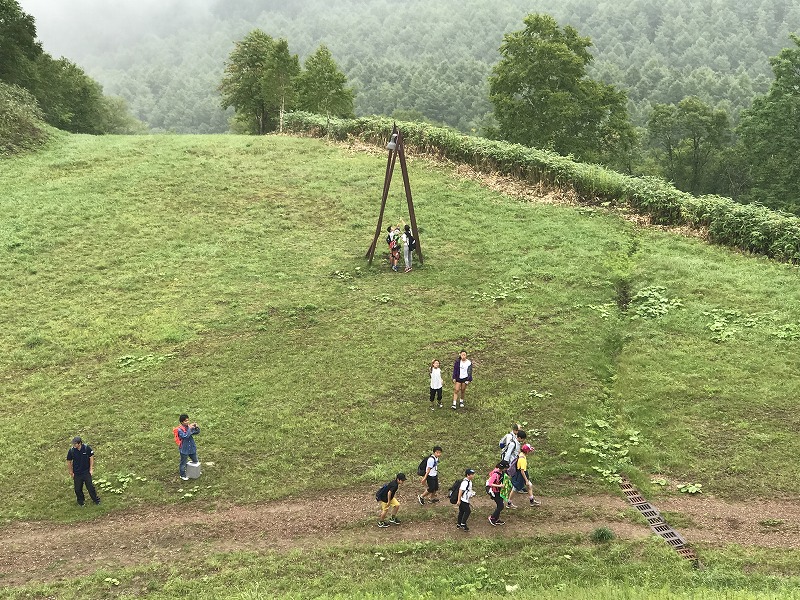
{"x": 224, "y": 277}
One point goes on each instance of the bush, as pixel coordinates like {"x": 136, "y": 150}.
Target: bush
{"x": 21, "y": 121}
{"x": 749, "y": 227}
{"x": 602, "y": 535}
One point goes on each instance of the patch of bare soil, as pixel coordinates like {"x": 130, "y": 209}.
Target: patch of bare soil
{"x": 41, "y": 552}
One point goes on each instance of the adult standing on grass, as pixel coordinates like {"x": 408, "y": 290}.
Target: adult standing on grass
{"x": 493, "y": 486}
{"x": 462, "y": 375}
{"x": 80, "y": 464}
{"x": 465, "y": 493}
{"x": 387, "y": 496}
{"x": 431, "y": 477}
{"x": 188, "y": 447}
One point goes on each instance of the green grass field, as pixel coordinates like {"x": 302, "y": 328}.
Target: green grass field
{"x": 224, "y": 276}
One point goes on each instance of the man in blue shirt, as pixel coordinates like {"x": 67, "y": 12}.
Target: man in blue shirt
{"x": 80, "y": 464}
{"x": 188, "y": 448}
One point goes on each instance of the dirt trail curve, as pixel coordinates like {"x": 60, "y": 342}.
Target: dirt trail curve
{"x": 40, "y": 552}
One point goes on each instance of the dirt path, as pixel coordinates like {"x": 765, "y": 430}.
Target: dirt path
{"x": 40, "y": 552}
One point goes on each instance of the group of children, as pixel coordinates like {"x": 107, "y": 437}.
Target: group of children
{"x": 395, "y": 239}
{"x": 509, "y": 477}
{"x": 462, "y": 376}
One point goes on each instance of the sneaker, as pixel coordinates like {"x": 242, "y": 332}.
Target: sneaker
{"x": 535, "y": 502}
{"x": 440, "y": 405}
{"x": 499, "y": 522}
{"x": 394, "y": 269}
{"x": 459, "y": 526}
{"x": 513, "y": 506}
{"x": 184, "y": 477}
{"x": 492, "y": 522}
{"x": 461, "y": 405}
{"x": 453, "y": 407}
{"x": 382, "y": 524}
{"x": 434, "y": 500}
{"x": 406, "y": 270}
{"x": 81, "y": 505}
{"x": 98, "y": 501}
{"x": 394, "y": 521}
{"x": 433, "y": 407}
{"x": 420, "y": 499}
{"x": 464, "y": 527}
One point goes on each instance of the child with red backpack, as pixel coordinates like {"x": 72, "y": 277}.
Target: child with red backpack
{"x": 184, "y": 437}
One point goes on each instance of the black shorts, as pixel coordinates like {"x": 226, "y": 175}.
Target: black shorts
{"x": 465, "y": 380}
{"x": 432, "y": 482}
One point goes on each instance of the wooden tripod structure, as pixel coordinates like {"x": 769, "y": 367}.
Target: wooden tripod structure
{"x": 396, "y": 149}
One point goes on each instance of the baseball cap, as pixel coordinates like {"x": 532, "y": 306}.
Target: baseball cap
{"x": 77, "y": 440}
{"x": 469, "y": 472}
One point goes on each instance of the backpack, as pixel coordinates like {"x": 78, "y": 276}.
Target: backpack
{"x": 452, "y": 495}
{"x": 382, "y": 492}
{"x": 178, "y": 439}
{"x": 512, "y": 468}
{"x": 412, "y": 242}
{"x": 423, "y": 465}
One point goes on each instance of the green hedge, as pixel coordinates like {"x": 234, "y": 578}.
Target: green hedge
{"x": 749, "y": 227}
{"x": 21, "y": 121}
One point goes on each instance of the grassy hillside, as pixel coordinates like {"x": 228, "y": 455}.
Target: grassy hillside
{"x": 224, "y": 276}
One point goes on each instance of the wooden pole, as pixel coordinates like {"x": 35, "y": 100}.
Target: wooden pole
{"x": 387, "y": 180}
{"x": 409, "y": 200}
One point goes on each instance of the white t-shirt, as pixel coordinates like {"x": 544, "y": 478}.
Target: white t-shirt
{"x": 466, "y": 490}
{"x": 436, "y": 379}
{"x": 464, "y": 368}
{"x": 433, "y": 465}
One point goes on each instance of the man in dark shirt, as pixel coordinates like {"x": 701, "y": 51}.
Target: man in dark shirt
{"x": 80, "y": 464}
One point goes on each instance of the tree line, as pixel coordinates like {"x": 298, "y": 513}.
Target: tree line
{"x": 66, "y": 96}
{"x": 263, "y": 80}
{"x": 662, "y": 89}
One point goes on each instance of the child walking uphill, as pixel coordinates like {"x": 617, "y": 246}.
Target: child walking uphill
{"x": 462, "y": 375}
{"x": 493, "y": 486}
{"x": 436, "y": 383}
{"x": 521, "y": 481}
{"x": 387, "y": 496}
{"x": 465, "y": 494}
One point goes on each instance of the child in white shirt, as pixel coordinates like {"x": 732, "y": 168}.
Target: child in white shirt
{"x": 436, "y": 383}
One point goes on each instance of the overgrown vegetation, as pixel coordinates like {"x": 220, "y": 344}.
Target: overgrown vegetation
{"x": 21, "y": 122}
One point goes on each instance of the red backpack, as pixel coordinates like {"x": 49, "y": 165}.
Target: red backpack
{"x": 178, "y": 439}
